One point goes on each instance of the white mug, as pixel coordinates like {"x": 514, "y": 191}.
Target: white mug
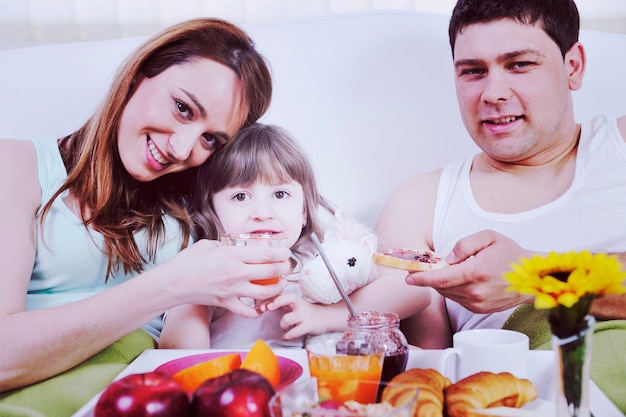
{"x": 492, "y": 350}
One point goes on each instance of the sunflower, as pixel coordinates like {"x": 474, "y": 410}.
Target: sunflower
{"x": 567, "y": 283}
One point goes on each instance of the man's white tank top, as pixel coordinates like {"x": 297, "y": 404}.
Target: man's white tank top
{"x": 590, "y": 215}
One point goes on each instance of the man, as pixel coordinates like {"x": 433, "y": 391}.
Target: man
{"x": 541, "y": 182}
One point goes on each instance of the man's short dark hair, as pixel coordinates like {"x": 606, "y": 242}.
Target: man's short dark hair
{"x": 558, "y": 18}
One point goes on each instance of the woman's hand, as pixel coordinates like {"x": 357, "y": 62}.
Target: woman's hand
{"x": 210, "y": 274}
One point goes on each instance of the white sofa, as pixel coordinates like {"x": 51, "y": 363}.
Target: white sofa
{"x": 370, "y": 96}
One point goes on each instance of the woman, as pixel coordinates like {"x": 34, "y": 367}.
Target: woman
{"x": 81, "y": 216}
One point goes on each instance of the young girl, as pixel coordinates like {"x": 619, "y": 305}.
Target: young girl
{"x": 260, "y": 183}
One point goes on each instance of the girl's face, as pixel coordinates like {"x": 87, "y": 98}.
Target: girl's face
{"x": 176, "y": 119}
{"x": 262, "y": 208}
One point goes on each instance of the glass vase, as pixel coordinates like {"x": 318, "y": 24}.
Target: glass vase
{"x": 573, "y": 360}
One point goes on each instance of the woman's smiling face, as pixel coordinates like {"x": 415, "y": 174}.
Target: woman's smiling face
{"x": 175, "y": 120}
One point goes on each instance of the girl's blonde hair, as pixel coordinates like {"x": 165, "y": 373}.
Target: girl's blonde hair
{"x": 110, "y": 200}
{"x": 264, "y": 153}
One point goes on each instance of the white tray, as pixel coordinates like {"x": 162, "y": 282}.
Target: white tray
{"x": 541, "y": 373}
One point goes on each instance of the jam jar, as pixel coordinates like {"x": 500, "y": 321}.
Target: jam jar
{"x": 370, "y": 328}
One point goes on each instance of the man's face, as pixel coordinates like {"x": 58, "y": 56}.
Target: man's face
{"x": 514, "y": 89}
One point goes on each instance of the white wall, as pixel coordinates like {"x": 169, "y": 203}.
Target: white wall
{"x": 29, "y": 22}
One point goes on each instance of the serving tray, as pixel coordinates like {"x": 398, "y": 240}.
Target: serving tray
{"x": 541, "y": 373}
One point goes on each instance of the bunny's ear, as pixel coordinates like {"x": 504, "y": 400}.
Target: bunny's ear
{"x": 330, "y": 235}
{"x": 370, "y": 241}
{"x": 339, "y": 228}
{"x": 348, "y": 228}
{"x": 340, "y": 224}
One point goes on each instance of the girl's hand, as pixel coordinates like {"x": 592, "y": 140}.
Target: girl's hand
{"x": 300, "y": 317}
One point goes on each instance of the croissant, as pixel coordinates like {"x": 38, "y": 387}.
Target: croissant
{"x": 485, "y": 390}
{"x": 431, "y": 386}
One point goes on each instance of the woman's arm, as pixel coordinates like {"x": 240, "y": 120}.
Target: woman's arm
{"x": 201, "y": 274}
{"x": 38, "y": 344}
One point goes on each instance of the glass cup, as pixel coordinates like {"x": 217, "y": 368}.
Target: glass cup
{"x": 301, "y": 399}
{"x": 256, "y": 239}
{"x": 343, "y": 376}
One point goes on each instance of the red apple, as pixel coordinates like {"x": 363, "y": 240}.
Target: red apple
{"x": 239, "y": 393}
{"x": 143, "y": 395}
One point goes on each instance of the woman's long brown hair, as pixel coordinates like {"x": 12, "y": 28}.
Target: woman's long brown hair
{"x": 109, "y": 199}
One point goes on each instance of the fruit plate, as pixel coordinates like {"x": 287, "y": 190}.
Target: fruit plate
{"x": 289, "y": 370}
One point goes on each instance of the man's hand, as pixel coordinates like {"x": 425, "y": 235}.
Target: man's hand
{"x": 474, "y": 277}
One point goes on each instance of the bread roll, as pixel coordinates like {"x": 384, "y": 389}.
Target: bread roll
{"x": 485, "y": 390}
{"x": 431, "y": 386}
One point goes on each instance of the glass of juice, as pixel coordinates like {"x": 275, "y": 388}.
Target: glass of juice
{"x": 256, "y": 239}
{"x": 343, "y": 376}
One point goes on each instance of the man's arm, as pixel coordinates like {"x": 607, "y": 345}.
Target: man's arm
{"x": 609, "y": 307}
{"x": 406, "y": 222}
{"x": 613, "y": 306}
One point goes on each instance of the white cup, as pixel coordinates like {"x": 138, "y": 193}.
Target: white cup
{"x": 491, "y": 350}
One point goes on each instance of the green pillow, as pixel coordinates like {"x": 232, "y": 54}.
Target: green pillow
{"x": 65, "y": 393}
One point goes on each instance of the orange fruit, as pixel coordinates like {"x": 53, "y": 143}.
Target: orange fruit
{"x": 267, "y": 281}
{"x": 191, "y": 378}
{"x": 262, "y": 360}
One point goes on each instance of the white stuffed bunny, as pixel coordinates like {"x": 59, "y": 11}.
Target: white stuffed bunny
{"x": 349, "y": 249}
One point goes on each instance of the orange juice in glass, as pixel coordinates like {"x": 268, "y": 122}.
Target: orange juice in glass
{"x": 344, "y": 377}
{"x": 256, "y": 239}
